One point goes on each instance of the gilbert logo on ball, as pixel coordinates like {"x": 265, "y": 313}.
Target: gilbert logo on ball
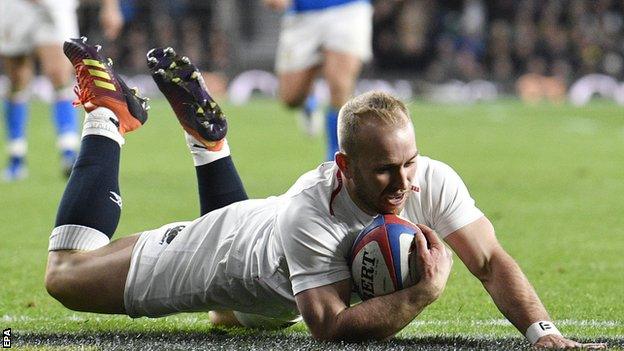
{"x": 381, "y": 261}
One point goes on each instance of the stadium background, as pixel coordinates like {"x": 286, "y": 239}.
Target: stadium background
{"x": 423, "y": 42}
{"x": 546, "y": 167}
{"x": 454, "y": 51}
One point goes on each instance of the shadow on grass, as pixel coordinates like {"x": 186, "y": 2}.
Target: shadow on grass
{"x": 235, "y": 339}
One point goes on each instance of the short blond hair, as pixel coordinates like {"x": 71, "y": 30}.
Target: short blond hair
{"x": 374, "y": 107}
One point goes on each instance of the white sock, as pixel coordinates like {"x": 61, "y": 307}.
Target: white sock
{"x": 76, "y": 237}
{"x": 68, "y": 141}
{"x": 100, "y": 122}
{"x": 201, "y": 155}
{"x": 17, "y": 147}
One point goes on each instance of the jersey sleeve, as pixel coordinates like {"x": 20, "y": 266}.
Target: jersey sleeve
{"x": 315, "y": 253}
{"x": 452, "y": 205}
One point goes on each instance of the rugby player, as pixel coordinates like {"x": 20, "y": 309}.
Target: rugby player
{"x": 266, "y": 263}
{"x": 32, "y": 30}
{"x": 332, "y": 37}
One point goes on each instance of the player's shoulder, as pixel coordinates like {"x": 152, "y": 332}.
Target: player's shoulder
{"x": 314, "y": 183}
{"x": 431, "y": 172}
{"x": 310, "y": 194}
{"x": 429, "y": 166}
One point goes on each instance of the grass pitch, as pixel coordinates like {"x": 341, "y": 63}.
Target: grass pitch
{"x": 549, "y": 177}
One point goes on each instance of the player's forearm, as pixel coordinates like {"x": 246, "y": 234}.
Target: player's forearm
{"x": 512, "y": 293}
{"x": 381, "y": 317}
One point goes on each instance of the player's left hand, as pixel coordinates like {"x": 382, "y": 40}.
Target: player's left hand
{"x": 553, "y": 341}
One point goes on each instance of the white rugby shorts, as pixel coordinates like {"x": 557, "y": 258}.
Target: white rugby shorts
{"x": 161, "y": 280}
{"x": 195, "y": 266}
{"x": 26, "y": 25}
{"x": 346, "y": 28}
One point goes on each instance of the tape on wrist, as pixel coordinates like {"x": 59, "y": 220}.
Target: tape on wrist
{"x": 539, "y": 329}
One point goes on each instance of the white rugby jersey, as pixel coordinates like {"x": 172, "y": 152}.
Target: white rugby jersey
{"x": 254, "y": 256}
{"x": 318, "y": 223}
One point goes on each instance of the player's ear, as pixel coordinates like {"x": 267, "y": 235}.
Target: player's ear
{"x": 344, "y": 164}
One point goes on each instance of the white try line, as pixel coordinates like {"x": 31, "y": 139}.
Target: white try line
{"x": 193, "y": 319}
{"x": 504, "y": 322}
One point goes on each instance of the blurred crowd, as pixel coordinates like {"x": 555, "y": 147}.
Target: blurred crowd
{"x": 186, "y": 25}
{"x": 497, "y": 40}
{"x": 500, "y": 40}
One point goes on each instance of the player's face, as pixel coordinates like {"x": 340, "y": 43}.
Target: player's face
{"x": 384, "y": 169}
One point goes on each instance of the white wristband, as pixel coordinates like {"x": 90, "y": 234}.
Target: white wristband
{"x": 539, "y": 329}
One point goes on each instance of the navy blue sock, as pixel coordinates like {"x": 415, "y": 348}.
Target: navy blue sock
{"x": 91, "y": 197}
{"x": 219, "y": 185}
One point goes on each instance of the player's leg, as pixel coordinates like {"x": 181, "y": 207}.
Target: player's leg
{"x": 64, "y": 116}
{"x": 347, "y": 44}
{"x": 58, "y": 24}
{"x": 86, "y": 272}
{"x": 295, "y": 86}
{"x": 19, "y": 70}
{"x": 17, "y": 20}
{"x": 296, "y": 91}
{"x": 297, "y": 64}
{"x": 341, "y": 71}
{"x": 205, "y": 128}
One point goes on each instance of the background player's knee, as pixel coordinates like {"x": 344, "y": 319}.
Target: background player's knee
{"x": 294, "y": 87}
{"x": 55, "y": 66}
{"x": 20, "y": 71}
{"x": 291, "y": 98}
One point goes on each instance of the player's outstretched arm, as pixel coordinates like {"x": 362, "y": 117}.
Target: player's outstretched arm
{"x": 477, "y": 246}
{"x": 327, "y": 313}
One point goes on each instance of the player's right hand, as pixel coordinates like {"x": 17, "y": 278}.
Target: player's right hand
{"x": 434, "y": 260}
{"x": 554, "y": 341}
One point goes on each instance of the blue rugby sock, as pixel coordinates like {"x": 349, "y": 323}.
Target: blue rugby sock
{"x": 331, "y": 126}
{"x": 310, "y": 105}
{"x": 91, "y": 198}
{"x": 64, "y": 115}
{"x": 16, "y": 114}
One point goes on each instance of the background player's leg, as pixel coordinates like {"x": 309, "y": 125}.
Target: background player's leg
{"x": 205, "y": 127}
{"x": 294, "y": 87}
{"x": 296, "y": 91}
{"x": 56, "y": 67}
{"x": 341, "y": 71}
{"x": 20, "y": 72}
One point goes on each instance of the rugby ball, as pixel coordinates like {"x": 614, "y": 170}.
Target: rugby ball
{"x": 381, "y": 255}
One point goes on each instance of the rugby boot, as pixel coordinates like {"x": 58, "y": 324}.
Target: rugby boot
{"x": 183, "y": 86}
{"x": 99, "y": 86}
{"x": 15, "y": 170}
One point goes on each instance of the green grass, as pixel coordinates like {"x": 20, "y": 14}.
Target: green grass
{"x": 551, "y": 179}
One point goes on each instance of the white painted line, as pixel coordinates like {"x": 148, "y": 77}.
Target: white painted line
{"x": 504, "y": 322}
{"x": 194, "y": 319}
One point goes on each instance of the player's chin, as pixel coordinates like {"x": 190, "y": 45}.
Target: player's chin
{"x": 392, "y": 205}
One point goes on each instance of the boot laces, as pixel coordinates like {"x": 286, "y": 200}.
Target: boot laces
{"x": 82, "y": 91}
